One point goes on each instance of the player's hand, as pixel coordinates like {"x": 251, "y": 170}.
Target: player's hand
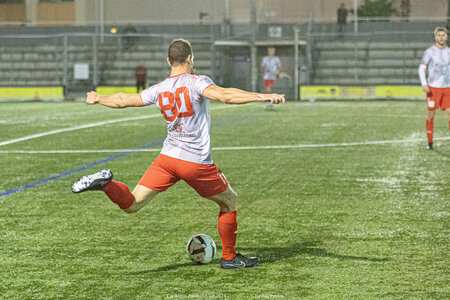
{"x": 276, "y": 98}
{"x": 284, "y": 75}
{"x": 426, "y": 89}
{"x": 91, "y": 98}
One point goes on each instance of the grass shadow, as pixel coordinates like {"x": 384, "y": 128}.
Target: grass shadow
{"x": 441, "y": 153}
{"x": 273, "y": 254}
{"x": 162, "y": 269}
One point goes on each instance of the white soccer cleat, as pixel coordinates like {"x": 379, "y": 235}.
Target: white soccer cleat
{"x": 93, "y": 182}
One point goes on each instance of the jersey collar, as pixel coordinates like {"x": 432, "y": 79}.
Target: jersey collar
{"x": 177, "y": 75}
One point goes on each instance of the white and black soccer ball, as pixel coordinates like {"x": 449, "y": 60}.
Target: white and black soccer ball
{"x": 201, "y": 248}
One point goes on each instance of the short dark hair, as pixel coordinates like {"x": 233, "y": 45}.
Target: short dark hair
{"x": 440, "y": 29}
{"x": 179, "y": 50}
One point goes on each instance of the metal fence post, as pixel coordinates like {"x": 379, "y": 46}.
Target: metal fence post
{"x": 213, "y": 53}
{"x": 296, "y": 62}
{"x": 355, "y": 61}
{"x": 404, "y": 59}
{"x": 253, "y": 49}
{"x": 94, "y": 62}
{"x": 65, "y": 65}
{"x": 309, "y": 45}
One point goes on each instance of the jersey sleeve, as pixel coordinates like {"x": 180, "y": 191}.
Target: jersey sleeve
{"x": 149, "y": 96}
{"x": 201, "y": 83}
{"x": 426, "y": 57}
{"x": 278, "y": 62}
{"x": 422, "y": 75}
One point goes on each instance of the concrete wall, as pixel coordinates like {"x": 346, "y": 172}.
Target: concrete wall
{"x": 59, "y": 12}
{"x": 12, "y": 12}
{"x": 269, "y": 11}
{"x": 86, "y": 12}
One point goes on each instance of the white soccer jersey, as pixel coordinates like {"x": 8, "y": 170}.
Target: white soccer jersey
{"x": 270, "y": 65}
{"x": 180, "y": 100}
{"x": 438, "y": 63}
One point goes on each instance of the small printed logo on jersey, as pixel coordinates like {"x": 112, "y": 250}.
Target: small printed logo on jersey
{"x": 179, "y": 128}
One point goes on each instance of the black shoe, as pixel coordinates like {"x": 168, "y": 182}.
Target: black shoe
{"x": 239, "y": 261}
{"x": 93, "y": 182}
{"x": 430, "y": 146}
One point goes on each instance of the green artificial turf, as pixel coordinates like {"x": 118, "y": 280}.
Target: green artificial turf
{"x": 334, "y": 220}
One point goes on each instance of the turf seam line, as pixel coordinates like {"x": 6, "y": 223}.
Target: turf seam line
{"x": 33, "y": 136}
{"x": 220, "y": 148}
{"x": 38, "y": 135}
{"x": 25, "y": 187}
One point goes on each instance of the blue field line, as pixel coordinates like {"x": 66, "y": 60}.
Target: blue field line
{"x": 25, "y": 187}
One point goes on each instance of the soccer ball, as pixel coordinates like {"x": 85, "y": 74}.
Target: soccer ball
{"x": 201, "y": 248}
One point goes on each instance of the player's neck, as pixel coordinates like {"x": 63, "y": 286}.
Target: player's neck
{"x": 180, "y": 69}
{"x": 440, "y": 46}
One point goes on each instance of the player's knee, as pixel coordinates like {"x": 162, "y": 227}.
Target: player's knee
{"x": 232, "y": 200}
{"x": 234, "y": 197}
{"x": 132, "y": 209}
{"x": 226, "y": 200}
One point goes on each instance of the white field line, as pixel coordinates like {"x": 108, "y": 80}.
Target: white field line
{"x": 222, "y": 148}
{"x": 33, "y": 136}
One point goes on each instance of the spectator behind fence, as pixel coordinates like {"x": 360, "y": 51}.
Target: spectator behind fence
{"x": 341, "y": 18}
{"x": 141, "y": 77}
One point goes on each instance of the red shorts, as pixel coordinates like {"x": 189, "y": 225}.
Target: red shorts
{"x": 438, "y": 97}
{"x": 269, "y": 83}
{"x": 165, "y": 171}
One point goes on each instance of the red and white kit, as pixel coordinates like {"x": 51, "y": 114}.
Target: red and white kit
{"x": 437, "y": 61}
{"x": 186, "y": 153}
{"x": 270, "y": 64}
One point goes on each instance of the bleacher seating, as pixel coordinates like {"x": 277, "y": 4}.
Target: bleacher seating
{"x": 22, "y": 66}
{"x": 335, "y": 62}
{"x": 367, "y": 62}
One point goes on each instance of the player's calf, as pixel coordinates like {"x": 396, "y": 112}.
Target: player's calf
{"x": 117, "y": 192}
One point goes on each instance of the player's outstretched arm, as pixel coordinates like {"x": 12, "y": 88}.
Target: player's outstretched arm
{"x": 423, "y": 78}
{"x": 237, "y": 96}
{"x": 119, "y": 100}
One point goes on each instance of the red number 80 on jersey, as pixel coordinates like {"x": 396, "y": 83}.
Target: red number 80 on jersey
{"x": 172, "y": 111}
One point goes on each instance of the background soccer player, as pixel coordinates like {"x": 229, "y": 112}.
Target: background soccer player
{"x": 270, "y": 66}
{"x": 183, "y": 99}
{"x": 437, "y": 60}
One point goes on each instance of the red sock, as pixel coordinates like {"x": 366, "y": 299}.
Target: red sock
{"x": 448, "y": 125}
{"x": 429, "y": 127}
{"x": 227, "y": 226}
{"x": 119, "y": 193}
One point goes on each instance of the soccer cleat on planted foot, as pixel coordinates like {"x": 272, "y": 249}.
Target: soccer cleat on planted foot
{"x": 239, "y": 261}
{"x": 92, "y": 182}
{"x": 430, "y": 146}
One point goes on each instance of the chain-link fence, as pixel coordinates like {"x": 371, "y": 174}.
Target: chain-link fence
{"x": 82, "y": 61}
{"x": 231, "y": 54}
{"x": 366, "y": 59}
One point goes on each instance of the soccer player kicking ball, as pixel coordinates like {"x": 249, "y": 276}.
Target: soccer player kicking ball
{"x": 183, "y": 99}
{"x": 437, "y": 59}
